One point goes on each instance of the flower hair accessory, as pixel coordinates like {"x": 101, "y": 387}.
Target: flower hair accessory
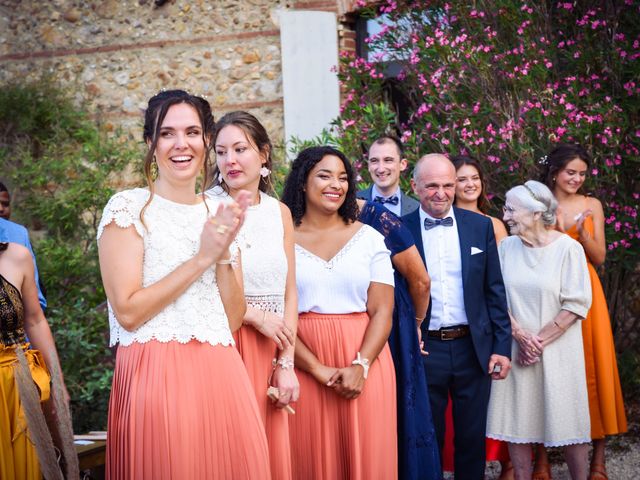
{"x": 543, "y": 160}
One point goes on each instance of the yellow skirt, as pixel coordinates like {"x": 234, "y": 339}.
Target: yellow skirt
{"x": 18, "y": 458}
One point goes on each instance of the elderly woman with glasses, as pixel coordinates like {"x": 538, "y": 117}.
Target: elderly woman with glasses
{"x": 544, "y": 400}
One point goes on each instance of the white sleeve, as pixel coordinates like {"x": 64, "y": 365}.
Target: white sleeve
{"x": 123, "y": 209}
{"x": 575, "y": 290}
{"x": 381, "y": 268}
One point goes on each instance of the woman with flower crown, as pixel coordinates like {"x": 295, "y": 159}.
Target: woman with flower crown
{"x": 266, "y": 340}
{"x": 181, "y": 403}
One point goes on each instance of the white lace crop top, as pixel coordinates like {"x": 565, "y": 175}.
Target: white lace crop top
{"x": 171, "y": 237}
{"x": 264, "y": 263}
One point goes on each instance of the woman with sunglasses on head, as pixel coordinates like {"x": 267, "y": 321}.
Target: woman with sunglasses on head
{"x": 266, "y": 340}
{"x": 181, "y": 404}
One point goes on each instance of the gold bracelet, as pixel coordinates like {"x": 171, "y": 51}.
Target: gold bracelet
{"x": 558, "y": 325}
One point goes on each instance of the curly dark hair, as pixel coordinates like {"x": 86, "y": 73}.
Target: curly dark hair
{"x": 461, "y": 160}
{"x": 558, "y": 158}
{"x": 294, "y": 195}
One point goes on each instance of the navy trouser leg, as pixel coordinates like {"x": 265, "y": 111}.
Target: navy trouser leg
{"x": 470, "y": 399}
{"x": 452, "y": 367}
{"x": 439, "y": 377}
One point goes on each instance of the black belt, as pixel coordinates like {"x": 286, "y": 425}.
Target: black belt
{"x": 450, "y": 333}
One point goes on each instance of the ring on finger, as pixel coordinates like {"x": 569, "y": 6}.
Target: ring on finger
{"x": 222, "y": 229}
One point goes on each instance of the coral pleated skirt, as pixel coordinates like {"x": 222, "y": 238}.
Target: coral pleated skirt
{"x": 257, "y": 353}
{"x": 335, "y": 438}
{"x": 182, "y": 411}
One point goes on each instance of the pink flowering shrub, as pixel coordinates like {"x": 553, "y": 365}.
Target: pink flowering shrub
{"x": 505, "y": 81}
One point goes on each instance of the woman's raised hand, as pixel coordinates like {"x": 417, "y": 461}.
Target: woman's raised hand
{"x": 220, "y": 229}
{"x": 584, "y": 234}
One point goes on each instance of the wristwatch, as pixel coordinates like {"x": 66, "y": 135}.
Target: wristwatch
{"x": 363, "y": 362}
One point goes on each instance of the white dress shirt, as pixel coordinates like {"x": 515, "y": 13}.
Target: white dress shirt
{"x": 442, "y": 255}
{"x": 397, "y": 209}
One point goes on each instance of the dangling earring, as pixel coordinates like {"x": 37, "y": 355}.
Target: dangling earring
{"x": 264, "y": 172}
{"x": 154, "y": 168}
{"x": 220, "y": 178}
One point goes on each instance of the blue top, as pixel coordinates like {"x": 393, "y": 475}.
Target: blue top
{"x": 16, "y": 233}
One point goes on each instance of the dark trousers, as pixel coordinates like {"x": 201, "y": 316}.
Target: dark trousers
{"x": 452, "y": 368}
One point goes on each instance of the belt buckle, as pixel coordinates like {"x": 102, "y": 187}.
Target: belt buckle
{"x": 443, "y": 336}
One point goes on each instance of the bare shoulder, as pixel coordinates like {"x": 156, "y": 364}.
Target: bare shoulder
{"x": 286, "y": 213}
{"x": 18, "y": 253}
{"x": 594, "y": 204}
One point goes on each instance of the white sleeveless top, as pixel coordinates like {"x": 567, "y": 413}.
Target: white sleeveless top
{"x": 264, "y": 262}
{"x": 171, "y": 237}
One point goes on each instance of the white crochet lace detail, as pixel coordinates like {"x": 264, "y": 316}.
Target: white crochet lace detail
{"x": 264, "y": 262}
{"x": 270, "y": 303}
{"x": 171, "y": 237}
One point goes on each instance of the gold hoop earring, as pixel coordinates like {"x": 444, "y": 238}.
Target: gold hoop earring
{"x": 154, "y": 168}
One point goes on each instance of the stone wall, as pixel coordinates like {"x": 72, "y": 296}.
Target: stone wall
{"x": 114, "y": 54}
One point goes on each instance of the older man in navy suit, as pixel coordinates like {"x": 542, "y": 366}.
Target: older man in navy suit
{"x": 467, "y": 330}
{"x": 386, "y": 162}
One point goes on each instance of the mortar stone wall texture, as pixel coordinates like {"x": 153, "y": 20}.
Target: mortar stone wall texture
{"x": 114, "y": 54}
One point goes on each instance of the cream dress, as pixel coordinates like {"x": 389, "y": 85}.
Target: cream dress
{"x": 546, "y": 402}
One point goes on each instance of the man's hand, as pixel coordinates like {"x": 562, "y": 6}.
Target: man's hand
{"x": 503, "y": 362}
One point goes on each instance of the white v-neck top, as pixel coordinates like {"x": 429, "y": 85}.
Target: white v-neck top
{"x": 340, "y": 285}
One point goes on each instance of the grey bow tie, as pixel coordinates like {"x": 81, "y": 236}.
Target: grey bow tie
{"x": 445, "y": 222}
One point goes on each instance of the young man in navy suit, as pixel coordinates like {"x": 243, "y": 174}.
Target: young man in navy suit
{"x": 386, "y": 162}
{"x": 467, "y": 331}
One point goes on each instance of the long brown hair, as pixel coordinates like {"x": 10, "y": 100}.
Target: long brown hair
{"x": 459, "y": 161}
{"x": 258, "y": 138}
{"x": 155, "y": 114}
{"x": 558, "y": 159}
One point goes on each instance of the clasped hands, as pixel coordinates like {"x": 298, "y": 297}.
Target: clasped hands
{"x": 530, "y": 348}
{"x": 346, "y": 381}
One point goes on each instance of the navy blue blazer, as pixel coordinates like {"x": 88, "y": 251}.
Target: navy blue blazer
{"x": 407, "y": 204}
{"x": 485, "y": 301}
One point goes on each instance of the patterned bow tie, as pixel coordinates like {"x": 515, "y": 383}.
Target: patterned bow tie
{"x": 392, "y": 200}
{"x": 445, "y": 222}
